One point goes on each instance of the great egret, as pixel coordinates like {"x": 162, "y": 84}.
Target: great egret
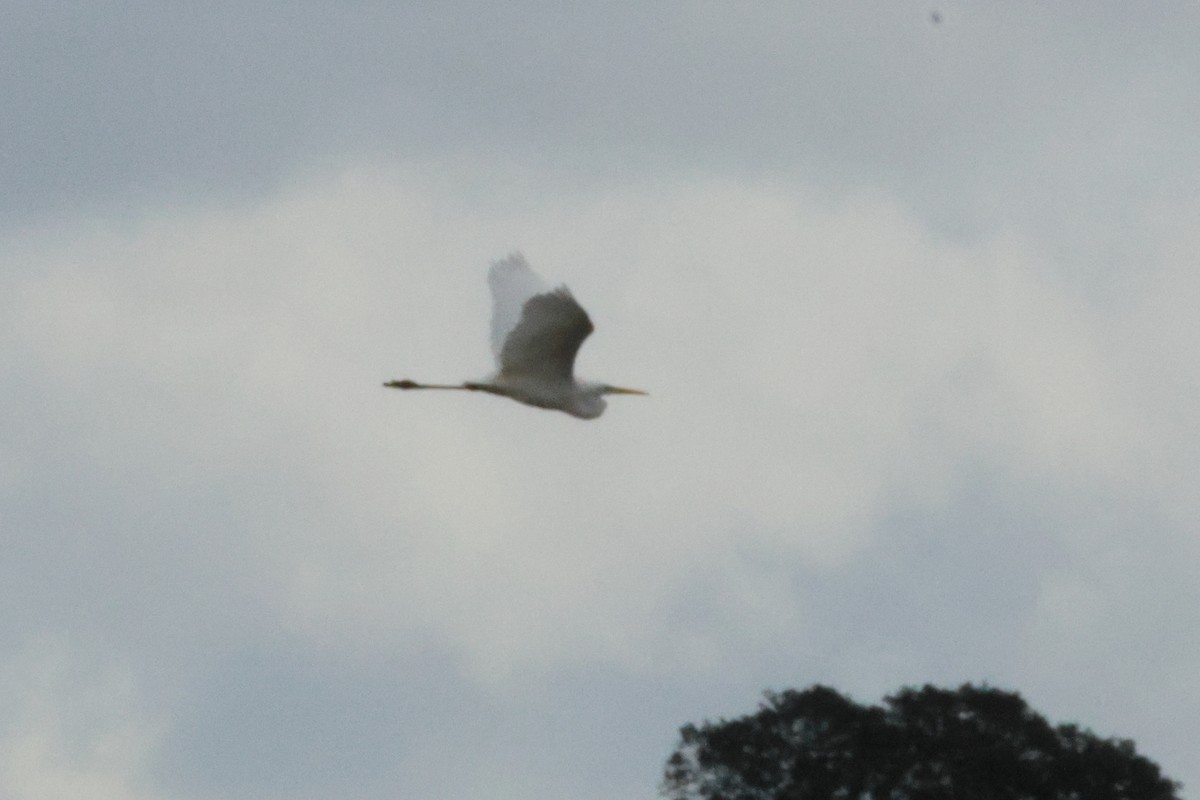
{"x": 536, "y": 332}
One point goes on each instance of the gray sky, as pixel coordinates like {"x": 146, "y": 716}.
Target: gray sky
{"x": 915, "y": 304}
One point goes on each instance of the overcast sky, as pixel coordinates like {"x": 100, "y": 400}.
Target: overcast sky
{"x": 915, "y": 303}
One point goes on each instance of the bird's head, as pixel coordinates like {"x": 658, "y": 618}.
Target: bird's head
{"x": 590, "y": 403}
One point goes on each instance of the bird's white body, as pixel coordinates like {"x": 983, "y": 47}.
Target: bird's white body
{"x": 579, "y": 399}
{"x": 536, "y": 332}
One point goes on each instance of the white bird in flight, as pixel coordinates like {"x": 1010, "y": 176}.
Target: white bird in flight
{"x": 536, "y": 332}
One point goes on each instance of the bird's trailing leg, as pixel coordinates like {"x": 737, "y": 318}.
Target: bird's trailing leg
{"x": 465, "y": 387}
{"x": 407, "y": 384}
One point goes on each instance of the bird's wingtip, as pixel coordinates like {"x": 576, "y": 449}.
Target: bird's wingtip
{"x": 514, "y": 259}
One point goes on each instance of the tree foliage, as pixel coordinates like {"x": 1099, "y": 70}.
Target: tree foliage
{"x": 976, "y": 743}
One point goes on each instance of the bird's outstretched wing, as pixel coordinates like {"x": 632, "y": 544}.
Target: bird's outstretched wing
{"x": 512, "y": 283}
{"x": 544, "y": 343}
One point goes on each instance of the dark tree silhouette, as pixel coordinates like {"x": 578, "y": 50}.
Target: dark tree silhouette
{"x": 976, "y": 743}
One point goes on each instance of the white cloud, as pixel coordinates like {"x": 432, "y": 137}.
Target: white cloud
{"x": 812, "y": 367}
